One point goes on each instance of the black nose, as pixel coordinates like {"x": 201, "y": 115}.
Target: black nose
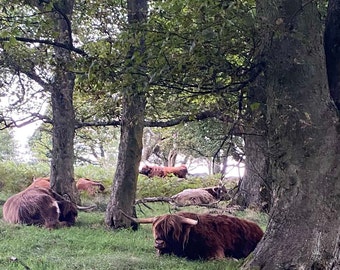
{"x": 159, "y": 244}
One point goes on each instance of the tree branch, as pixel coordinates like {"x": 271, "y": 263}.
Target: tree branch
{"x": 69, "y": 47}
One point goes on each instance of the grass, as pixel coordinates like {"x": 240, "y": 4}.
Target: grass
{"x": 90, "y": 245}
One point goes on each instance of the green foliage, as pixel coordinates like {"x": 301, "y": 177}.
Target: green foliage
{"x": 199, "y": 53}
{"x": 40, "y": 143}
{"x": 7, "y": 147}
{"x": 17, "y": 176}
{"x": 92, "y": 145}
{"x": 96, "y": 173}
{"x": 168, "y": 186}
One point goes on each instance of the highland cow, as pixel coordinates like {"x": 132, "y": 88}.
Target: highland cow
{"x": 43, "y": 182}
{"x": 89, "y": 186}
{"x": 203, "y": 236}
{"x": 39, "y": 206}
{"x": 200, "y": 196}
{"x": 152, "y": 171}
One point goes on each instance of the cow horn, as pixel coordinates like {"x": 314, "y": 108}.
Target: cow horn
{"x": 189, "y": 221}
{"x": 139, "y": 220}
{"x": 86, "y": 208}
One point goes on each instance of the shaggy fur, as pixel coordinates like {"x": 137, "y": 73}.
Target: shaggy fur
{"x": 152, "y": 171}
{"x": 89, "y": 186}
{"x": 193, "y": 197}
{"x": 214, "y": 236}
{"x": 199, "y": 196}
{"x": 39, "y": 206}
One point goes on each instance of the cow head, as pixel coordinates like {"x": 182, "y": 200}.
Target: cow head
{"x": 146, "y": 170}
{"x": 170, "y": 232}
{"x": 68, "y": 213}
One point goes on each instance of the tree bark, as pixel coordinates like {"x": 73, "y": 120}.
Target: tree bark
{"x": 303, "y": 138}
{"x": 332, "y": 49}
{"x": 124, "y": 187}
{"x": 254, "y": 189}
{"x": 62, "y": 170}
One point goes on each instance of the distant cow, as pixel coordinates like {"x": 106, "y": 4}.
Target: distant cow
{"x": 43, "y": 182}
{"x": 203, "y": 236}
{"x": 91, "y": 187}
{"x": 199, "y": 196}
{"x": 39, "y": 206}
{"x": 151, "y": 171}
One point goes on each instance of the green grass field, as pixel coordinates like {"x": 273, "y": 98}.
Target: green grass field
{"x": 90, "y": 245}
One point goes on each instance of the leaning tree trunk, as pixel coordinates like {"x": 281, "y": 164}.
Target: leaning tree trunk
{"x": 304, "y": 227}
{"x": 332, "y": 49}
{"x": 123, "y": 192}
{"x": 254, "y": 189}
{"x": 62, "y": 171}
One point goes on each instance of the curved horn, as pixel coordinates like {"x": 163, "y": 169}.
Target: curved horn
{"x": 86, "y": 208}
{"x": 139, "y": 220}
{"x": 189, "y": 221}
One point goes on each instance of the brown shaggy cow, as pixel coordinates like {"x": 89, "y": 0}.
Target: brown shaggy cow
{"x": 151, "y": 171}
{"x": 204, "y": 236}
{"x": 195, "y": 196}
{"x": 39, "y": 206}
{"x": 91, "y": 187}
{"x": 199, "y": 196}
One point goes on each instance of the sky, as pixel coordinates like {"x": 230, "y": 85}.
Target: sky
{"x": 21, "y": 136}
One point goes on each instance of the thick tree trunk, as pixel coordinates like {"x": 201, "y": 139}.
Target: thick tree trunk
{"x": 332, "y": 49}
{"x": 304, "y": 227}
{"x": 254, "y": 189}
{"x": 62, "y": 171}
{"x": 124, "y": 187}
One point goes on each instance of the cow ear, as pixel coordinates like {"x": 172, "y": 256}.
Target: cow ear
{"x": 189, "y": 221}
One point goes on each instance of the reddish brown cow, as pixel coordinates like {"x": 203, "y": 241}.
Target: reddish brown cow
{"x": 39, "y": 206}
{"x": 91, "y": 187}
{"x": 43, "y": 182}
{"x": 204, "y": 236}
{"x": 159, "y": 171}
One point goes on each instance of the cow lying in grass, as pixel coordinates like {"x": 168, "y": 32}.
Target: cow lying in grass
{"x": 43, "y": 182}
{"x": 89, "y": 186}
{"x": 42, "y": 207}
{"x": 203, "y": 236}
{"x": 83, "y": 184}
{"x": 199, "y": 196}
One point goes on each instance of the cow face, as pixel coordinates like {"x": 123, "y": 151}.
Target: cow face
{"x": 171, "y": 233}
{"x": 146, "y": 170}
{"x": 68, "y": 213}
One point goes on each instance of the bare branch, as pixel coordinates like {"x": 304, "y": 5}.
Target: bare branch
{"x": 69, "y": 47}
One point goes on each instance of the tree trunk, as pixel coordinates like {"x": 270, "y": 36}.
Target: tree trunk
{"x": 254, "y": 189}
{"x": 304, "y": 227}
{"x": 62, "y": 171}
{"x": 123, "y": 192}
{"x": 332, "y": 49}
